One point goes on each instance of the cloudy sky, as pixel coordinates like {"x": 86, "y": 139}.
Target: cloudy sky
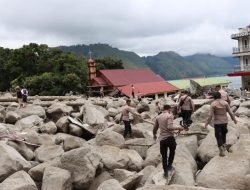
{"x": 143, "y": 26}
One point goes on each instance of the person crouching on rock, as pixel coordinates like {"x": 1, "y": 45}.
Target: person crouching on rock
{"x": 218, "y": 112}
{"x": 125, "y": 118}
{"x": 164, "y": 121}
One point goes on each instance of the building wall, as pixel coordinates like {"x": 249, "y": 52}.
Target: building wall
{"x": 246, "y": 82}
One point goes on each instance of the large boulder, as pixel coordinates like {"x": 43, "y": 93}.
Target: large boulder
{"x": 92, "y": 115}
{"x": 12, "y": 117}
{"x": 243, "y": 112}
{"x": 11, "y": 161}
{"x": 109, "y": 137}
{"x": 99, "y": 180}
{"x": 140, "y": 145}
{"x": 110, "y": 184}
{"x": 69, "y": 142}
{"x": 75, "y": 130}
{"x": 142, "y": 107}
{"x": 23, "y": 149}
{"x": 58, "y": 109}
{"x": 153, "y": 156}
{"x": 82, "y": 163}
{"x": 190, "y": 142}
{"x": 29, "y": 122}
{"x": 49, "y": 128}
{"x": 18, "y": 181}
{"x": 31, "y": 109}
{"x": 116, "y": 103}
{"x": 113, "y": 112}
{"x": 147, "y": 174}
{"x": 121, "y": 174}
{"x": 48, "y": 152}
{"x": 56, "y": 178}
{"x": 235, "y": 103}
{"x": 113, "y": 158}
{"x": 225, "y": 172}
{"x": 62, "y": 124}
{"x": 209, "y": 148}
{"x": 132, "y": 181}
{"x": 37, "y": 171}
{"x": 201, "y": 115}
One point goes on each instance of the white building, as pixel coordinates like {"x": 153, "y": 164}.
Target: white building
{"x": 243, "y": 53}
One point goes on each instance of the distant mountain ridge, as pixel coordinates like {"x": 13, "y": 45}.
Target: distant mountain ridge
{"x": 170, "y": 65}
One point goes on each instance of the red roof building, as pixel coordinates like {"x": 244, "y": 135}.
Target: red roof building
{"x": 145, "y": 81}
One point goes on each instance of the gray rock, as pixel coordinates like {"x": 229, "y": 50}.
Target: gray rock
{"x": 12, "y": 117}
{"x": 201, "y": 115}
{"x": 31, "y": 109}
{"x": 121, "y": 174}
{"x": 147, "y": 173}
{"x": 48, "y": 152}
{"x": 92, "y": 115}
{"x": 235, "y": 103}
{"x": 113, "y": 112}
{"x": 23, "y": 149}
{"x": 11, "y": 161}
{"x": 18, "y": 181}
{"x": 29, "y": 122}
{"x": 132, "y": 181}
{"x": 82, "y": 163}
{"x": 109, "y": 137}
{"x": 56, "y": 178}
{"x": 75, "y": 130}
{"x": 219, "y": 173}
{"x": 58, "y": 109}
{"x": 49, "y": 128}
{"x": 142, "y": 107}
{"x": 110, "y": 184}
{"x": 63, "y": 124}
{"x": 69, "y": 142}
{"x": 243, "y": 111}
{"x": 99, "y": 180}
{"x": 37, "y": 172}
{"x": 153, "y": 156}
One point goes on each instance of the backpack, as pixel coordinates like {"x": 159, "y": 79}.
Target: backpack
{"x": 25, "y": 92}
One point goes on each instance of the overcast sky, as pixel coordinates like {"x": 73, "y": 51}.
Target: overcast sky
{"x": 143, "y": 26}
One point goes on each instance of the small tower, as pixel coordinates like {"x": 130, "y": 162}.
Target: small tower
{"x": 91, "y": 69}
{"x": 243, "y": 53}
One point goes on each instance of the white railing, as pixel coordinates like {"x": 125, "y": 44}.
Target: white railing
{"x": 239, "y": 68}
{"x": 242, "y": 49}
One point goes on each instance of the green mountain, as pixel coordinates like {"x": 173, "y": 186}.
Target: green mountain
{"x": 211, "y": 65}
{"x": 169, "y": 65}
{"x": 129, "y": 59}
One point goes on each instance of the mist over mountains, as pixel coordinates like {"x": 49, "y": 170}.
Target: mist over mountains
{"x": 170, "y": 65}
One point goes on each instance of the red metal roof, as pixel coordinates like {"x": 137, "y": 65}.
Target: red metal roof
{"x": 239, "y": 73}
{"x": 148, "y": 88}
{"x": 100, "y": 81}
{"x": 121, "y": 77}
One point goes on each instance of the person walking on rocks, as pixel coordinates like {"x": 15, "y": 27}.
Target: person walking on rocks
{"x": 224, "y": 95}
{"x": 125, "y": 118}
{"x": 164, "y": 121}
{"x": 218, "y": 112}
{"x": 186, "y": 108}
{"x": 19, "y": 97}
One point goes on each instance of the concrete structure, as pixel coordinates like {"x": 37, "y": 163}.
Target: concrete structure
{"x": 243, "y": 53}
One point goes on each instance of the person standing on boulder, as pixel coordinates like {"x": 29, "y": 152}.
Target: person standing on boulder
{"x": 125, "y": 118}
{"x": 218, "y": 112}
{"x": 164, "y": 121}
{"x": 24, "y": 92}
{"x": 133, "y": 91}
{"x": 186, "y": 108}
{"x": 19, "y": 97}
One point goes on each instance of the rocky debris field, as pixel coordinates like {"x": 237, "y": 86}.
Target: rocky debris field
{"x": 90, "y": 153}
